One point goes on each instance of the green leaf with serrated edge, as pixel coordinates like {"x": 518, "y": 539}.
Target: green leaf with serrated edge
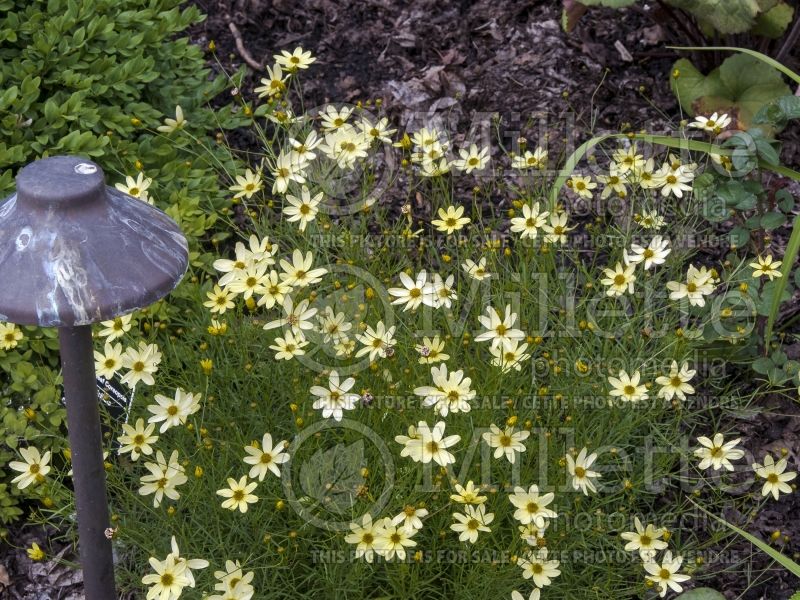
{"x": 772, "y": 220}
{"x": 762, "y": 57}
{"x": 767, "y": 152}
{"x": 689, "y": 84}
{"x": 773, "y": 23}
{"x": 739, "y": 237}
{"x": 741, "y": 85}
{"x": 785, "y": 200}
{"x": 779, "y": 112}
{"x": 763, "y": 365}
{"x": 725, "y": 16}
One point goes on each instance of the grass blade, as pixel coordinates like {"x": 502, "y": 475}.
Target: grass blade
{"x": 786, "y": 268}
{"x": 784, "y": 560}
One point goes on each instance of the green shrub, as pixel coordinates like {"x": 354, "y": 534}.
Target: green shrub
{"x": 96, "y": 78}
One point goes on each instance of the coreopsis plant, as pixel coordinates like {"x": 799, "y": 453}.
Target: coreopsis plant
{"x": 439, "y": 378}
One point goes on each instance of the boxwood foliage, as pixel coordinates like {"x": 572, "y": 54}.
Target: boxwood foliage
{"x": 96, "y": 78}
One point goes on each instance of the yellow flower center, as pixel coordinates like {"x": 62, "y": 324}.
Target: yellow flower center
{"x": 619, "y": 279}
{"x": 167, "y": 579}
{"x": 532, "y": 507}
{"x": 580, "y": 472}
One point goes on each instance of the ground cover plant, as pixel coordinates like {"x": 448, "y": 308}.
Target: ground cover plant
{"x": 86, "y": 78}
{"x": 439, "y": 398}
{"x": 446, "y": 363}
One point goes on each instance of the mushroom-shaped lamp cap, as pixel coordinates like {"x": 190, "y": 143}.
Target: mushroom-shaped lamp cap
{"x": 74, "y": 251}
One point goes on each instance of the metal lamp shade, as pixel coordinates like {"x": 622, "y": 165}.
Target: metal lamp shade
{"x": 74, "y": 251}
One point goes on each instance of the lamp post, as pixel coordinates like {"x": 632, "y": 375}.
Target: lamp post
{"x": 75, "y": 252}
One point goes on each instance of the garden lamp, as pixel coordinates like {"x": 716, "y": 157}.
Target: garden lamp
{"x": 75, "y": 252}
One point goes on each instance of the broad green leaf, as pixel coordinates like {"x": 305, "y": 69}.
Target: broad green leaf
{"x": 735, "y": 195}
{"x": 688, "y": 84}
{"x": 767, "y": 152}
{"x": 772, "y": 220}
{"x": 778, "y": 112}
{"x": 763, "y": 365}
{"x": 725, "y": 16}
{"x": 740, "y": 73}
{"x": 739, "y": 237}
{"x": 762, "y": 57}
{"x": 741, "y": 86}
{"x": 773, "y": 23}
{"x": 785, "y": 200}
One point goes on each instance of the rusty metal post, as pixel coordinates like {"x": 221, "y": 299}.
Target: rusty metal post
{"x": 86, "y": 447}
